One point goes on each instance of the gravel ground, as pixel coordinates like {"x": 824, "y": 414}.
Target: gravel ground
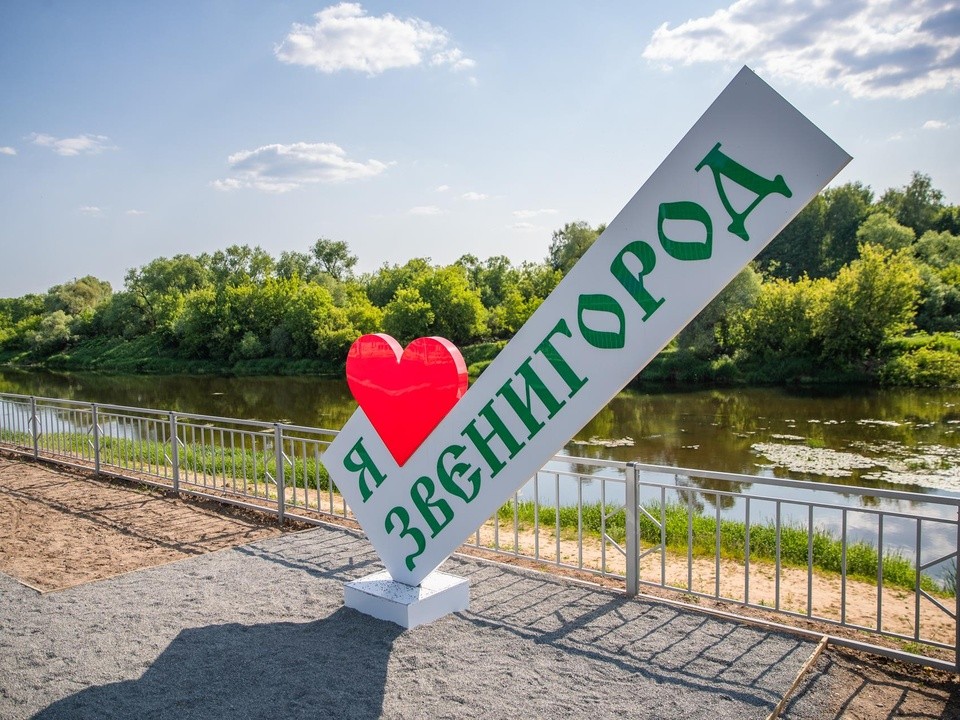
{"x": 261, "y": 631}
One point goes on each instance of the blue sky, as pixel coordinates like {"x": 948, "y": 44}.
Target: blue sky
{"x": 131, "y": 131}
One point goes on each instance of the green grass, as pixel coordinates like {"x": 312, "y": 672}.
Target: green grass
{"x": 194, "y": 459}
{"x": 147, "y": 355}
{"x": 861, "y": 561}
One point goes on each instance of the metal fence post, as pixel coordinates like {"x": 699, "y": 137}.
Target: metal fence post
{"x": 956, "y": 588}
{"x": 175, "y": 452}
{"x": 96, "y": 439}
{"x": 281, "y": 486}
{"x": 35, "y": 427}
{"x": 633, "y": 531}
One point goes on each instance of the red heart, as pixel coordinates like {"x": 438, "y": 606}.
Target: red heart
{"x": 405, "y": 393}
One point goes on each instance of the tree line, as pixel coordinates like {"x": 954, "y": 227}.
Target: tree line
{"x": 854, "y": 288}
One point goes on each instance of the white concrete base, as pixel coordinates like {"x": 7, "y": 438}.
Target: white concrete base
{"x": 383, "y": 597}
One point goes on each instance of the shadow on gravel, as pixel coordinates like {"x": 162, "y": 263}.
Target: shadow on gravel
{"x": 334, "y": 667}
{"x": 678, "y": 661}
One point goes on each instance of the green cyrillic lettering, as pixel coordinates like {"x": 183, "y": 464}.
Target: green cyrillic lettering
{"x": 446, "y": 476}
{"x": 421, "y": 492}
{"x": 523, "y": 409}
{"x": 723, "y": 165}
{"x": 482, "y": 442}
{"x": 406, "y": 531}
{"x": 574, "y": 382}
{"x": 603, "y": 339}
{"x": 633, "y": 281}
{"x": 358, "y": 460}
{"x": 680, "y": 249}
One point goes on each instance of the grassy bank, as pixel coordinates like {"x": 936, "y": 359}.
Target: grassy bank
{"x": 920, "y": 361}
{"x": 195, "y": 459}
{"x": 149, "y": 356}
{"x": 861, "y": 561}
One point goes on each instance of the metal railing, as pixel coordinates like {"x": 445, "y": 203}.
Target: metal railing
{"x": 878, "y": 562}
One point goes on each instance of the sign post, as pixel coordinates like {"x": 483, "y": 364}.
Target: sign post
{"x": 744, "y": 170}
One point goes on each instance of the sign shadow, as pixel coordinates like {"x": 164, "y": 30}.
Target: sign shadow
{"x": 332, "y": 667}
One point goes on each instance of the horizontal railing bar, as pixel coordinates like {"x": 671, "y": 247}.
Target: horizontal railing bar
{"x": 801, "y": 484}
{"x": 181, "y": 416}
{"x": 591, "y": 461}
{"x": 809, "y": 503}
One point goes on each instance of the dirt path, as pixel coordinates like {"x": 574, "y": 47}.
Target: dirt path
{"x": 60, "y": 528}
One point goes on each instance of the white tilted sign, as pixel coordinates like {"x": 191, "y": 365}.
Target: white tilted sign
{"x": 734, "y": 181}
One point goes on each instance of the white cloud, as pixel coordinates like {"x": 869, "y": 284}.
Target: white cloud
{"x": 135, "y": 212}
{"x": 69, "y": 147}
{"x": 91, "y": 211}
{"x": 5, "y": 150}
{"x": 344, "y": 37}
{"x": 280, "y": 168}
{"x": 442, "y": 188}
{"x": 525, "y": 214}
{"x": 934, "y": 125}
{"x": 425, "y": 210}
{"x": 524, "y": 226}
{"x": 869, "y": 48}
{"x": 474, "y": 196}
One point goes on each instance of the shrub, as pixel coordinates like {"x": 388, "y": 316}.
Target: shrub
{"x": 923, "y": 367}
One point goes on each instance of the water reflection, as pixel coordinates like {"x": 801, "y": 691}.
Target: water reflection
{"x": 711, "y": 429}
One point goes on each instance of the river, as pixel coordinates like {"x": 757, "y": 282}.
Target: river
{"x": 893, "y": 438}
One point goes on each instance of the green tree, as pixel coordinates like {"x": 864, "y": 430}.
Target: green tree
{"x": 361, "y": 313}
{"x": 239, "y": 264}
{"x": 570, "y": 242}
{"x": 948, "y": 220}
{"x": 120, "y": 316}
{"x": 333, "y": 258}
{"x": 709, "y": 333}
{"x": 798, "y": 249}
{"x": 78, "y": 295}
{"x": 296, "y": 264}
{"x": 874, "y": 299}
{"x": 458, "y": 313}
{"x": 53, "y": 333}
{"x": 160, "y": 287}
{"x": 781, "y": 323}
{"x": 202, "y": 329}
{"x": 917, "y": 205}
{"x": 939, "y": 307}
{"x": 23, "y": 307}
{"x": 882, "y": 230}
{"x": 408, "y": 316}
{"x": 21, "y": 319}
{"x": 939, "y": 249}
{"x": 384, "y": 284}
{"x": 492, "y": 278}
{"x": 847, "y": 206}
{"x": 537, "y": 280}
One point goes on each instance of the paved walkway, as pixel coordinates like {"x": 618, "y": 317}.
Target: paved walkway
{"x": 260, "y": 631}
